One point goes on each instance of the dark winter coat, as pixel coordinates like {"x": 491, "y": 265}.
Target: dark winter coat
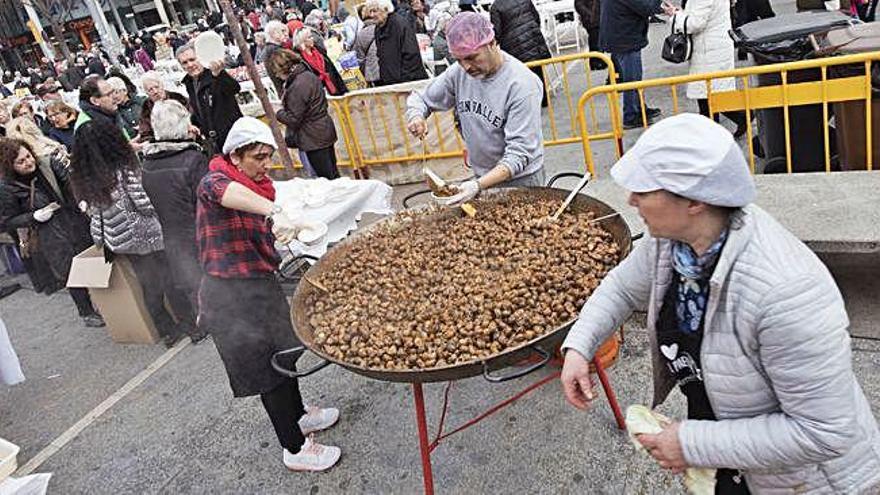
{"x": 96, "y": 67}
{"x": 74, "y": 76}
{"x": 330, "y": 67}
{"x": 171, "y": 174}
{"x": 212, "y": 101}
{"x": 518, "y": 29}
{"x": 64, "y": 235}
{"x": 399, "y": 57}
{"x": 589, "y": 11}
{"x": 130, "y": 112}
{"x": 304, "y": 111}
{"x": 145, "y": 127}
{"x": 129, "y": 224}
{"x": 63, "y": 136}
{"x": 624, "y": 24}
{"x": 92, "y": 112}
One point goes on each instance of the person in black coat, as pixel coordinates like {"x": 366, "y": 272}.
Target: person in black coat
{"x": 623, "y": 32}
{"x": 400, "y": 59}
{"x": 518, "y": 32}
{"x": 212, "y": 97}
{"x": 590, "y": 12}
{"x": 62, "y": 117}
{"x": 35, "y": 197}
{"x": 95, "y": 66}
{"x": 73, "y": 75}
{"x": 173, "y": 166}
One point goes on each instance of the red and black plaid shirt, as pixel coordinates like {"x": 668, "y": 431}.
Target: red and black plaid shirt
{"x": 232, "y": 243}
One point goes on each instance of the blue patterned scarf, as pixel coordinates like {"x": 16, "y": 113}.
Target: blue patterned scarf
{"x": 693, "y": 287}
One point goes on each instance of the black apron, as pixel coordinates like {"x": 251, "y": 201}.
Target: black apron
{"x": 681, "y": 354}
{"x": 249, "y": 319}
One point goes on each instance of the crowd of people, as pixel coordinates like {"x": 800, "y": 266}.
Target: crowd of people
{"x": 178, "y": 184}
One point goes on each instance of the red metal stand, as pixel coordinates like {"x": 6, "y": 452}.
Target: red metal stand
{"x": 426, "y": 447}
{"x": 427, "y": 471}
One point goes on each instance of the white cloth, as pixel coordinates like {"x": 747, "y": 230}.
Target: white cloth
{"x": 339, "y": 203}
{"x": 689, "y": 155}
{"x": 34, "y": 484}
{"x": 10, "y": 368}
{"x": 708, "y": 23}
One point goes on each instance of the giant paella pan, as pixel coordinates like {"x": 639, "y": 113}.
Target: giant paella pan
{"x": 387, "y": 304}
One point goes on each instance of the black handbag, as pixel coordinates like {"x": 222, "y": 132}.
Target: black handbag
{"x": 677, "y": 47}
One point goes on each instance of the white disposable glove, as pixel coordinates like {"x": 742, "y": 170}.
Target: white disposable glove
{"x": 45, "y": 213}
{"x": 83, "y": 206}
{"x": 284, "y": 228}
{"x": 467, "y": 191}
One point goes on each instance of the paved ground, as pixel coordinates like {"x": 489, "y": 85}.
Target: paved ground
{"x": 181, "y": 431}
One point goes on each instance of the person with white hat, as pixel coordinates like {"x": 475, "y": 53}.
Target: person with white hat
{"x": 240, "y": 300}
{"x": 742, "y": 316}
{"x": 497, "y": 100}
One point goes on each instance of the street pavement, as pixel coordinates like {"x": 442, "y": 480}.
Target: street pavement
{"x": 180, "y": 431}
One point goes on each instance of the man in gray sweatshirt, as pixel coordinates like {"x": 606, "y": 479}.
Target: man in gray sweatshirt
{"x": 498, "y": 102}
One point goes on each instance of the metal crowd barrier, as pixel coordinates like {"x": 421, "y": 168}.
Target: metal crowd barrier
{"x": 850, "y": 83}
{"x": 372, "y": 124}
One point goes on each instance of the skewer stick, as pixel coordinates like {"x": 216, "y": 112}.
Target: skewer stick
{"x": 316, "y": 284}
{"x": 574, "y": 192}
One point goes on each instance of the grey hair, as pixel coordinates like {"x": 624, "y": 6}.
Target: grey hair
{"x": 170, "y": 121}
{"x": 273, "y": 26}
{"x": 117, "y": 83}
{"x": 301, "y": 36}
{"x": 379, "y": 4}
{"x": 152, "y": 76}
{"x": 183, "y": 49}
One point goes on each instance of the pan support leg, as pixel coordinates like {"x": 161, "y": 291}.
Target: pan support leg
{"x": 424, "y": 443}
{"x": 609, "y": 394}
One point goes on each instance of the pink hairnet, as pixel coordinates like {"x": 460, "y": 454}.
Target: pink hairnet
{"x": 467, "y": 32}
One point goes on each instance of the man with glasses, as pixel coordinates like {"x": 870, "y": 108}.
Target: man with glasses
{"x": 97, "y": 100}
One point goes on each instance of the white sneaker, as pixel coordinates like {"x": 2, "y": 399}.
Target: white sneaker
{"x": 317, "y": 419}
{"x": 312, "y": 457}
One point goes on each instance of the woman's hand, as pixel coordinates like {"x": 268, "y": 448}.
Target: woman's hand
{"x": 669, "y": 9}
{"x": 665, "y": 448}
{"x": 576, "y": 381}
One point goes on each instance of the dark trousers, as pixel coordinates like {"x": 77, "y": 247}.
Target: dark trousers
{"x": 738, "y": 117}
{"x": 629, "y": 68}
{"x": 323, "y": 162}
{"x": 284, "y": 405}
{"x": 82, "y": 300}
{"x": 152, "y": 273}
{"x": 538, "y": 72}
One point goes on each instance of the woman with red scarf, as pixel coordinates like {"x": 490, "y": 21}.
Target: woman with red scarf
{"x": 318, "y": 62}
{"x": 241, "y": 301}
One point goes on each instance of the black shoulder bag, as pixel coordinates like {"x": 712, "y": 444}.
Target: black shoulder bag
{"x": 677, "y": 47}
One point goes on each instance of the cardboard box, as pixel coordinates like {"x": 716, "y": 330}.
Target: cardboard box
{"x": 117, "y": 294}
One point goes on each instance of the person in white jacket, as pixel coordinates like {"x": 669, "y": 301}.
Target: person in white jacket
{"x": 10, "y": 367}
{"x": 708, "y": 23}
{"x": 741, "y": 315}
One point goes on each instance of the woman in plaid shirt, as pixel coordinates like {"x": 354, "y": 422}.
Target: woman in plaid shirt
{"x": 240, "y": 299}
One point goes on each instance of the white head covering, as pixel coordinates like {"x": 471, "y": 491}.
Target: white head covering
{"x": 245, "y": 131}
{"x": 689, "y": 155}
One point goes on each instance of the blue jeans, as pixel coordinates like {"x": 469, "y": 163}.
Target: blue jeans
{"x": 629, "y": 68}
